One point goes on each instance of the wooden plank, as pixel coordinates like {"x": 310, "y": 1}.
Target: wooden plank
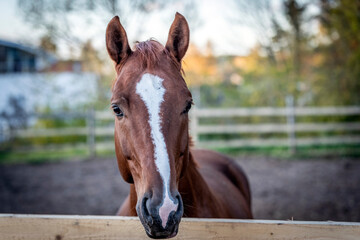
{"x": 108, "y": 145}
{"x": 110, "y": 227}
{"x": 229, "y": 112}
{"x": 291, "y": 120}
{"x": 104, "y": 131}
{"x": 51, "y": 147}
{"x": 194, "y": 127}
{"x": 52, "y": 132}
{"x": 277, "y": 128}
{"x": 273, "y": 111}
{"x": 104, "y": 115}
{"x": 91, "y": 137}
{"x": 253, "y": 142}
{"x": 201, "y": 129}
{"x": 247, "y": 142}
{"x": 239, "y": 112}
{"x": 328, "y": 141}
{"x": 327, "y": 111}
{"x": 104, "y": 145}
{"x": 59, "y": 115}
{"x": 68, "y": 131}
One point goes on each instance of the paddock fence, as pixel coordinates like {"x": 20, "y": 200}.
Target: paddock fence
{"x": 61, "y": 227}
{"x": 218, "y": 128}
{"x": 323, "y": 132}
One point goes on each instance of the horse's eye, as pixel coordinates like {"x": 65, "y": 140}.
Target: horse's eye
{"x": 187, "y": 108}
{"x": 117, "y": 111}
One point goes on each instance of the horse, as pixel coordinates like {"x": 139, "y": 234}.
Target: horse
{"x": 168, "y": 178}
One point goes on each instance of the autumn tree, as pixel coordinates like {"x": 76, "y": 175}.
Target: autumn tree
{"x": 200, "y": 68}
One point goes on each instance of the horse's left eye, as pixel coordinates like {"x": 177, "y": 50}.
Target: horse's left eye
{"x": 117, "y": 111}
{"x": 187, "y": 108}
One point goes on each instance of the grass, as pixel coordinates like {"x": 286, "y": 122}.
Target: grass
{"x": 303, "y": 152}
{"x": 307, "y": 152}
{"x": 38, "y": 157}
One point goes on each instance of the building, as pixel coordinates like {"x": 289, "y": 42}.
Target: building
{"x": 17, "y": 58}
{"x": 32, "y": 80}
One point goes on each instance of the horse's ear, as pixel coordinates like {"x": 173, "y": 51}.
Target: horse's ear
{"x": 178, "y": 39}
{"x": 116, "y": 41}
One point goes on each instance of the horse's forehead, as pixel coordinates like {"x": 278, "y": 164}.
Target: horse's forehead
{"x": 151, "y": 89}
{"x": 158, "y": 90}
{"x": 174, "y": 87}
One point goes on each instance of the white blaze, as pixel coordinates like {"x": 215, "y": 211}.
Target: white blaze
{"x": 151, "y": 91}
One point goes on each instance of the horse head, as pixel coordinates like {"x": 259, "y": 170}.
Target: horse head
{"x": 151, "y": 101}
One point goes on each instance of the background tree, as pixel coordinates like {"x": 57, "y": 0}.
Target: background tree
{"x": 340, "y": 45}
{"x": 294, "y": 12}
{"x": 48, "y": 44}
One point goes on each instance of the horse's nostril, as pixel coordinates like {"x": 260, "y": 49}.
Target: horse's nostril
{"x": 145, "y": 212}
{"x": 180, "y": 208}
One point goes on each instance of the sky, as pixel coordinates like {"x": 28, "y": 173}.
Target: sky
{"x": 11, "y": 25}
{"x": 216, "y": 24}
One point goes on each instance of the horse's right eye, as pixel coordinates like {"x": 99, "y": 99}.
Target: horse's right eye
{"x": 188, "y": 107}
{"x": 117, "y": 111}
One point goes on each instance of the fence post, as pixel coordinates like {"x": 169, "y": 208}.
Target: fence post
{"x": 194, "y": 121}
{"x": 90, "y": 122}
{"x": 290, "y": 116}
{"x": 196, "y": 94}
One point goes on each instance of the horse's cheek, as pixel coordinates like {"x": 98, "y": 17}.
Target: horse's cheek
{"x": 182, "y": 166}
{"x": 125, "y": 171}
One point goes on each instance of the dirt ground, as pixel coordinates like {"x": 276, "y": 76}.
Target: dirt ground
{"x": 303, "y": 190}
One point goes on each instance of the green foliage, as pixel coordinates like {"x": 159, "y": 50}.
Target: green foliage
{"x": 318, "y": 68}
{"x": 37, "y": 157}
{"x": 340, "y": 70}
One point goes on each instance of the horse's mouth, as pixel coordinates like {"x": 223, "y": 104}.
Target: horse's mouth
{"x": 162, "y": 234}
{"x": 154, "y": 225}
{"x": 156, "y": 231}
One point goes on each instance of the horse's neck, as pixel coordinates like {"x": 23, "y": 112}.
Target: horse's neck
{"x": 195, "y": 192}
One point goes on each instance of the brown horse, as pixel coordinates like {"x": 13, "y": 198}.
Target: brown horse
{"x": 167, "y": 178}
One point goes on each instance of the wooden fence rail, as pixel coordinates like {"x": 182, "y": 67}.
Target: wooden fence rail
{"x": 290, "y": 127}
{"x": 276, "y": 111}
{"x": 59, "y": 227}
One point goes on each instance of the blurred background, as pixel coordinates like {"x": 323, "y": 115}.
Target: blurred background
{"x": 275, "y": 82}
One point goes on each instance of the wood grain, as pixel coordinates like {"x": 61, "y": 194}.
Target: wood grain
{"x": 59, "y": 227}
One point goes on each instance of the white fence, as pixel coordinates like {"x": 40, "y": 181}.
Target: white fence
{"x": 346, "y": 131}
{"x": 291, "y": 127}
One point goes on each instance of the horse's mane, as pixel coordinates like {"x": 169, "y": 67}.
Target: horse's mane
{"x": 148, "y": 54}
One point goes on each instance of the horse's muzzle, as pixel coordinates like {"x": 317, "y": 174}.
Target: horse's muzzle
{"x": 148, "y": 212}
